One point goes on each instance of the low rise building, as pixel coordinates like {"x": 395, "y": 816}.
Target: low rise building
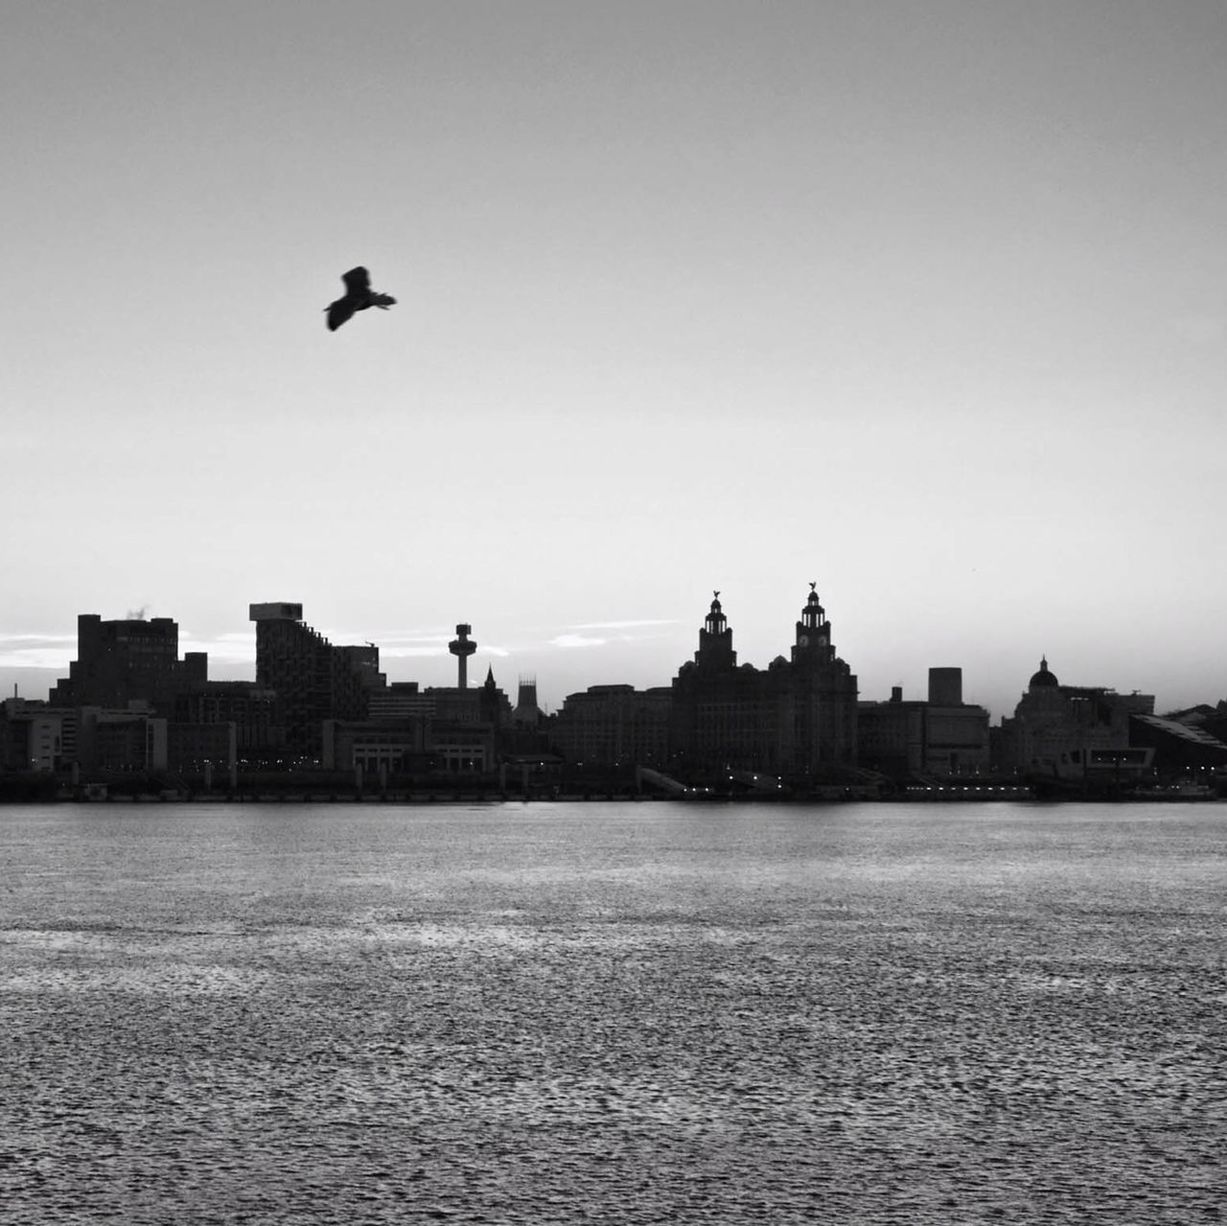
{"x": 614, "y": 725}
{"x": 939, "y": 737}
{"x": 1055, "y": 724}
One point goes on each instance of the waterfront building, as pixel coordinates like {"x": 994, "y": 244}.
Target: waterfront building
{"x": 1055, "y": 724}
{"x": 468, "y": 726}
{"x": 398, "y": 702}
{"x": 35, "y": 736}
{"x": 313, "y": 680}
{"x": 795, "y": 718}
{"x": 127, "y": 739}
{"x": 386, "y": 746}
{"x": 249, "y": 707}
{"x": 450, "y": 728}
{"x": 193, "y": 748}
{"x": 615, "y": 725}
{"x": 824, "y": 695}
{"x": 1181, "y": 745}
{"x": 128, "y": 660}
{"x": 938, "y": 737}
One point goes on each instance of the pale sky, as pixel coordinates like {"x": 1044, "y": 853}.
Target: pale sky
{"x": 924, "y": 301}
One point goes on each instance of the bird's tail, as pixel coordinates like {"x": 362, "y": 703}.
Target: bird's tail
{"x": 382, "y": 301}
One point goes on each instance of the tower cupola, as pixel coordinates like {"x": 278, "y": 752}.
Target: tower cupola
{"x": 813, "y": 641}
{"x": 716, "y": 639}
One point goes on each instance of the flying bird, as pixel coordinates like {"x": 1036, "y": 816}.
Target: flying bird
{"x": 358, "y": 296}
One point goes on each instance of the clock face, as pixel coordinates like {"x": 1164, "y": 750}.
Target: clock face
{"x": 803, "y": 641}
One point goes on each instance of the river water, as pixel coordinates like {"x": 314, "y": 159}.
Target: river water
{"x": 613, "y": 1013}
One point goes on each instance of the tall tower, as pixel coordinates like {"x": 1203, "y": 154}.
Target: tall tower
{"x": 823, "y": 695}
{"x": 716, "y": 639}
{"x": 813, "y": 640}
{"x": 526, "y": 709}
{"x": 462, "y": 647}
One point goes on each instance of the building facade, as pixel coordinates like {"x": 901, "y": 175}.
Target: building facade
{"x": 312, "y": 680}
{"x": 939, "y": 737}
{"x": 795, "y": 718}
{"x": 1054, "y": 723}
{"x": 130, "y": 660}
{"x": 614, "y": 725}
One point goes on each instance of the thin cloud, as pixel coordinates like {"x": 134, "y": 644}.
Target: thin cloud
{"x": 404, "y": 653}
{"x": 576, "y": 640}
{"x": 629, "y": 624}
{"x": 50, "y": 651}
{"x": 239, "y": 648}
{"x": 36, "y": 657}
{"x": 623, "y": 630}
{"x": 38, "y": 638}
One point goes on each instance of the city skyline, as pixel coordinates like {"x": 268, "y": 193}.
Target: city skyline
{"x": 426, "y": 658}
{"x": 922, "y": 302}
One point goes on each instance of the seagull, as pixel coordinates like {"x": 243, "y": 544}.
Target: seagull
{"x": 358, "y": 296}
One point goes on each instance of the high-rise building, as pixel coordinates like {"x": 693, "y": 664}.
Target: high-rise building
{"x": 313, "y": 680}
{"x": 130, "y": 660}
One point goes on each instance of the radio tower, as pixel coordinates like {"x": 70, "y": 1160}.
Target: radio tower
{"x": 462, "y": 647}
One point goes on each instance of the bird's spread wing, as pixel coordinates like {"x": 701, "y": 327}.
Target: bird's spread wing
{"x": 357, "y": 281}
{"x": 338, "y": 313}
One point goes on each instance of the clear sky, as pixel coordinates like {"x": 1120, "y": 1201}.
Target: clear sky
{"x": 925, "y": 301}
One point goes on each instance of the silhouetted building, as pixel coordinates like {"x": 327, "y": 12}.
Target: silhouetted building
{"x": 363, "y": 662}
{"x": 467, "y": 725}
{"x": 249, "y": 707}
{"x": 527, "y": 714}
{"x": 398, "y": 702}
{"x": 1056, "y": 725}
{"x": 615, "y": 725}
{"x": 313, "y": 680}
{"x": 938, "y": 737}
{"x": 132, "y": 738}
{"x": 445, "y": 728}
{"x": 191, "y": 748}
{"x": 485, "y": 703}
{"x": 824, "y": 697}
{"x": 122, "y": 661}
{"x": 798, "y": 717}
{"x": 34, "y": 736}
{"x": 1180, "y": 746}
{"x": 389, "y": 746}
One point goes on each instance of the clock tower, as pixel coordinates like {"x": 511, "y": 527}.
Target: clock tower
{"x": 813, "y": 641}
{"x": 715, "y": 639}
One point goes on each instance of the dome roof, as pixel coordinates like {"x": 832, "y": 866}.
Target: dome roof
{"x": 1043, "y": 679}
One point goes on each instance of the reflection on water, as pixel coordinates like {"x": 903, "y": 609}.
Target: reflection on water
{"x": 612, "y": 1014}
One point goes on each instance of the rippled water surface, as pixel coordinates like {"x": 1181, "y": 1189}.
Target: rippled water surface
{"x": 613, "y": 1013}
